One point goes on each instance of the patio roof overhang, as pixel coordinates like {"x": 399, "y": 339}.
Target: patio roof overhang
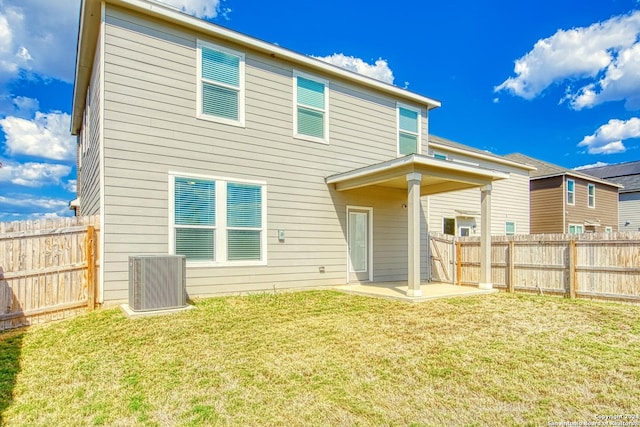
{"x": 437, "y": 175}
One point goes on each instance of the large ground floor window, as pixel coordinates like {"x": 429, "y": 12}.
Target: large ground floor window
{"x": 218, "y": 221}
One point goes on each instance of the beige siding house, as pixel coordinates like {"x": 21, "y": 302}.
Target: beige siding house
{"x": 265, "y": 168}
{"x": 569, "y": 201}
{"x": 458, "y": 213}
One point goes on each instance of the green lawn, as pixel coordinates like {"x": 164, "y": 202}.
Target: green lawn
{"x": 326, "y": 358}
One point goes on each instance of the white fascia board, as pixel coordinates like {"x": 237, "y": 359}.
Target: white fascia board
{"x": 166, "y": 13}
{"x": 483, "y": 156}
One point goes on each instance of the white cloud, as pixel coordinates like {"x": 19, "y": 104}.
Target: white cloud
{"x": 71, "y": 185}
{"x": 38, "y": 36}
{"x": 379, "y": 70}
{"x": 592, "y": 165}
{"x": 15, "y": 207}
{"x": 47, "y": 136}
{"x": 200, "y": 8}
{"x": 606, "y": 51}
{"x": 33, "y": 174}
{"x": 608, "y": 138}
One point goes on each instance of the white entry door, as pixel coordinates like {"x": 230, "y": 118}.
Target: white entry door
{"x": 359, "y": 241}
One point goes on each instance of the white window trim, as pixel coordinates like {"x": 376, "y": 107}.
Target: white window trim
{"x": 464, "y": 227}
{"x": 576, "y": 226}
{"x": 589, "y": 198}
{"x": 325, "y": 82}
{"x": 444, "y": 223}
{"x": 514, "y": 228}
{"x": 398, "y": 130}
{"x": 221, "y": 221}
{"x": 571, "y": 192}
{"x": 199, "y": 79}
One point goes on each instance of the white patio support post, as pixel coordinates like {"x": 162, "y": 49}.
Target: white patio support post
{"x": 413, "y": 190}
{"x": 485, "y": 239}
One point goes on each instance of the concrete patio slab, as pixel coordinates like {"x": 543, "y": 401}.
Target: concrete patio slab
{"x": 398, "y": 291}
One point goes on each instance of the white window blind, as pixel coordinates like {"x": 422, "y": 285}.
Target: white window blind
{"x": 408, "y": 131}
{"x": 311, "y": 108}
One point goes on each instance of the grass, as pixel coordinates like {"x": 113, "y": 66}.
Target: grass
{"x": 326, "y": 358}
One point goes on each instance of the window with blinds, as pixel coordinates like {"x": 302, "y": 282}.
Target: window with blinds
{"x": 220, "y": 84}
{"x": 311, "y": 103}
{"x": 408, "y": 130}
{"x": 219, "y": 221}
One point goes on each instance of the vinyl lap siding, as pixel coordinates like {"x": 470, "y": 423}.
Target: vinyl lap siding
{"x": 629, "y": 212}
{"x": 605, "y": 211}
{"x": 89, "y": 174}
{"x": 509, "y": 201}
{"x": 547, "y": 204}
{"x": 151, "y": 129}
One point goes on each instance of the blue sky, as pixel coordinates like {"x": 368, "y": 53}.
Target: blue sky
{"x": 557, "y": 80}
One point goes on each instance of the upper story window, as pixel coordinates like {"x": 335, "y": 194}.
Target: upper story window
{"x": 591, "y": 191}
{"x": 440, "y": 156}
{"x": 219, "y": 221}
{"x": 571, "y": 192}
{"x": 408, "y": 130}
{"x": 311, "y": 101}
{"x": 220, "y": 84}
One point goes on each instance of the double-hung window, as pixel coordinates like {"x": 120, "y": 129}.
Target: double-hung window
{"x": 220, "y": 84}
{"x": 311, "y": 108}
{"x": 219, "y": 221}
{"x": 591, "y": 191}
{"x": 571, "y": 192}
{"x": 408, "y": 130}
{"x": 509, "y": 228}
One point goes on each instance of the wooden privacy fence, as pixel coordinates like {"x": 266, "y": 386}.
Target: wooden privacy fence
{"x": 604, "y": 265}
{"x": 48, "y": 269}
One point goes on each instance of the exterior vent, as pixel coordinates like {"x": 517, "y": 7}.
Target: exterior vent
{"x": 157, "y": 282}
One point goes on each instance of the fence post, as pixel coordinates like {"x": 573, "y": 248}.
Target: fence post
{"x": 458, "y": 262}
{"x": 573, "y": 260}
{"x": 90, "y": 256}
{"x": 511, "y": 267}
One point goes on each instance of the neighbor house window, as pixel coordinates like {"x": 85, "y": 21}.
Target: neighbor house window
{"x": 608, "y": 229}
{"x": 449, "y": 226}
{"x": 509, "y": 228}
{"x": 219, "y": 221}
{"x": 311, "y": 106}
{"x": 220, "y": 84}
{"x": 408, "y": 130}
{"x": 576, "y": 229}
{"x": 571, "y": 192}
{"x": 439, "y": 156}
{"x": 591, "y": 189}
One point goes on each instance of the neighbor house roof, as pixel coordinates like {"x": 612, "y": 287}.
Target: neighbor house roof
{"x": 548, "y": 170}
{"x": 89, "y": 25}
{"x": 627, "y": 174}
{"x": 447, "y": 144}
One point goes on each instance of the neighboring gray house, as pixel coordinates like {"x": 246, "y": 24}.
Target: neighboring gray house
{"x": 458, "y": 213}
{"x": 627, "y": 175}
{"x": 264, "y": 167}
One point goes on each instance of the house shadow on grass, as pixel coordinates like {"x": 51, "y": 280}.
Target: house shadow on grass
{"x": 10, "y": 344}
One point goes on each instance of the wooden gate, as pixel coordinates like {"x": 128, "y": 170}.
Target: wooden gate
{"x": 442, "y": 258}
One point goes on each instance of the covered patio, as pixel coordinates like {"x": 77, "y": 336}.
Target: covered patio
{"x": 419, "y": 176}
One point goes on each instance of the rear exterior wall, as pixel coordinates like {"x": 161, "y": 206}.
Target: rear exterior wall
{"x": 151, "y": 129}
